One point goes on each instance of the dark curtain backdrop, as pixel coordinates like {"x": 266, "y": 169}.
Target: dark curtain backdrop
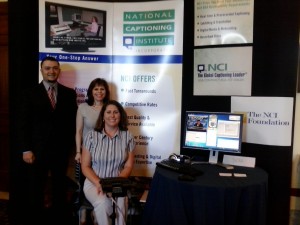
{"x": 274, "y": 73}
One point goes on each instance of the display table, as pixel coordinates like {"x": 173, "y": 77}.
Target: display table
{"x": 209, "y": 200}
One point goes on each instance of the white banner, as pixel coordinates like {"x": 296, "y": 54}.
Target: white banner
{"x": 223, "y": 22}
{"x": 148, "y": 75}
{"x": 223, "y": 71}
{"x": 139, "y": 53}
{"x": 267, "y": 120}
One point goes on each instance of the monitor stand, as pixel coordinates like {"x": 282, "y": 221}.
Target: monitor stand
{"x": 213, "y": 159}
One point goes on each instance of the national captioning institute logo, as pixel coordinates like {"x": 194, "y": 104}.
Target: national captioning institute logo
{"x": 148, "y": 28}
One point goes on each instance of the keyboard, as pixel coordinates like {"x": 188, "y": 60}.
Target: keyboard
{"x": 182, "y": 168}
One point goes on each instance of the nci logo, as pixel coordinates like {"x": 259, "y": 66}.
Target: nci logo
{"x": 209, "y": 69}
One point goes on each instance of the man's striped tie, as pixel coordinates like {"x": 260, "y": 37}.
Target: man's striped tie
{"x": 51, "y": 96}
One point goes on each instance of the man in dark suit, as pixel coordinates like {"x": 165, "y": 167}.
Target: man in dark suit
{"x": 47, "y": 136}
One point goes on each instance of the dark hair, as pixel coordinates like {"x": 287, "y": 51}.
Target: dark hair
{"x": 95, "y": 18}
{"x": 123, "y": 121}
{"x": 97, "y": 82}
{"x": 49, "y": 58}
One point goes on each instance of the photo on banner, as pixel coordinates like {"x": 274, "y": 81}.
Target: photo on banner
{"x": 62, "y": 35}
{"x": 139, "y": 53}
{"x": 223, "y": 71}
{"x": 74, "y": 27}
{"x": 223, "y": 22}
{"x": 267, "y": 120}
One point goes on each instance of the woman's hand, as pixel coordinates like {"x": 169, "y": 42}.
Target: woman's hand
{"x": 78, "y": 157}
{"x": 99, "y": 188}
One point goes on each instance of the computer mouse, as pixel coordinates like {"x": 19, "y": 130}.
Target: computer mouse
{"x": 186, "y": 177}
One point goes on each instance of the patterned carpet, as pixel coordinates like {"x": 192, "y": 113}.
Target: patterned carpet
{"x": 133, "y": 219}
{"x": 294, "y": 217}
{"x": 4, "y": 220}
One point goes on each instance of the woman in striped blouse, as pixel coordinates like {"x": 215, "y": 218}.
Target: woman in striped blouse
{"x": 107, "y": 151}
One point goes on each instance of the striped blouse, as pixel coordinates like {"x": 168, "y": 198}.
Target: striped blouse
{"x": 108, "y": 154}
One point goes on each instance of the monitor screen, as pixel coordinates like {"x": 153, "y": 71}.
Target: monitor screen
{"x": 76, "y": 17}
{"x": 74, "y": 28}
{"x": 213, "y": 131}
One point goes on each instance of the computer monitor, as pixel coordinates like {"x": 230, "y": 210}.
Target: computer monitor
{"x": 76, "y": 17}
{"x": 212, "y": 131}
{"x": 66, "y": 27}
